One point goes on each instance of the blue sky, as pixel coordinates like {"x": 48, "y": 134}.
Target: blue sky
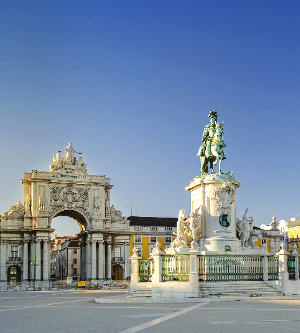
{"x": 131, "y": 84}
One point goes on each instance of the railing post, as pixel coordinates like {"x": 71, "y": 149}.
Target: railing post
{"x": 265, "y": 267}
{"x": 283, "y": 274}
{"x": 134, "y": 259}
{"x": 157, "y": 262}
{"x": 193, "y": 276}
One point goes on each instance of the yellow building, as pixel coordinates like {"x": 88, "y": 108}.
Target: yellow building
{"x": 292, "y": 234}
{"x": 146, "y": 231}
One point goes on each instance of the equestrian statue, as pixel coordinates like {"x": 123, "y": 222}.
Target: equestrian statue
{"x": 212, "y": 148}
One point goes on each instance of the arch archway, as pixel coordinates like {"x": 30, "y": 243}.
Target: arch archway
{"x": 117, "y": 272}
{"x": 76, "y": 215}
{"x": 13, "y": 275}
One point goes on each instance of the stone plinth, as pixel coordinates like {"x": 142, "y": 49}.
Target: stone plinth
{"x": 215, "y": 194}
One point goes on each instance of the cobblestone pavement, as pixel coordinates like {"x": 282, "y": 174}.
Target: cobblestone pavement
{"x": 76, "y": 311}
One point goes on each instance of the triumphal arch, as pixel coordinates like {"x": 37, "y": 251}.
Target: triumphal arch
{"x": 66, "y": 190}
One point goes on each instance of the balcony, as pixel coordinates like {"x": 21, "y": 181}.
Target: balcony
{"x": 117, "y": 259}
{"x": 14, "y": 259}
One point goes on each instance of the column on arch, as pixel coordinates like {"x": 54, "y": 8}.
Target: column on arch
{"x": 32, "y": 260}
{"x": 108, "y": 260}
{"x": 46, "y": 261}
{"x": 101, "y": 259}
{"x": 94, "y": 260}
{"x": 25, "y": 260}
{"x": 38, "y": 260}
{"x": 127, "y": 260}
{"x": 3, "y": 261}
{"x": 88, "y": 260}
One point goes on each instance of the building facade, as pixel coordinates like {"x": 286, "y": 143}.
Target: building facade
{"x": 147, "y": 231}
{"x": 292, "y": 234}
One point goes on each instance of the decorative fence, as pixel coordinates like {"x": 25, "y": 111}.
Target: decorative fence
{"x": 175, "y": 267}
{"x": 291, "y": 267}
{"x": 230, "y": 268}
{"x": 213, "y": 268}
{"x": 145, "y": 270}
{"x": 273, "y": 267}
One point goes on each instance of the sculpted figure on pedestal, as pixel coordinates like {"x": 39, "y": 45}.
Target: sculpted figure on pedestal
{"x": 68, "y": 161}
{"x": 42, "y": 202}
{"x": 244, "y": 228}
{"x": 27, "y": 203}
{"x": 16, "y": 211}
{"x": 187, "y": 230}
{"x": 194, "y": 225}
{"x": 212, "y": 148}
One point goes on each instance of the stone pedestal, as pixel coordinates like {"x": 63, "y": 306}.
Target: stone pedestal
{"x": 215, "y": 195}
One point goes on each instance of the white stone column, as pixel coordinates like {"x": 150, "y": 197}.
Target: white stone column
{"x": 88, "y": 260}
{"x": 32, "y": 260}
{"x": 127, "y": 260}
{"x": 108, "y": 260}
{"x": 38, "y": 260}
{"x": 25, "y": 260}
{"x": 46, "y": 261}
{"x": 3, "y": 262}
{"x": 94, "y": 258}
{"x": 101, "y": 254}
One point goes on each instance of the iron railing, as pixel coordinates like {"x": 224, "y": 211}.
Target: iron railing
{"x": 14, "y": 259}
{"x": 117, "y": 259}
{"x": 229, "y": 268}
{"x": 175, "y": 267}
{"x": 291, "y": 267}
{"x": 273, "y": 267}
{"x": 146, "y": 269}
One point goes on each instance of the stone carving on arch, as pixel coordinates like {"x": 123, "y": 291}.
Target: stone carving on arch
{"x": 69, "y": 197}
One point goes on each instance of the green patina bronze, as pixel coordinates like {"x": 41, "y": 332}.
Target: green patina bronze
{"x": 212, "y": 148}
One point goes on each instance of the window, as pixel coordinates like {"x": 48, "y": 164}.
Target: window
{"x": 297, "y": 246}
{"x": 117, "y": 251}
{"x": 168, "y": 228}
{"x": 153, "y": 239}
{"x": 74, "y": 271}
{"x": 168, "y": 239}
{"x": 14, "y": 251}
{"x": 264, "y": 241}
{"x": 138, "y": 228}
{"x": 151, "y": 249}
{"x": 298, "y": 236}
{"x": 139, "y": 251}
{"x": 75, "y": 261}
{"x": 138, "y": 239}
{"x": 153, "y": 228}
{"x": 74, "y": 251}
{"x": 289, "y": 237}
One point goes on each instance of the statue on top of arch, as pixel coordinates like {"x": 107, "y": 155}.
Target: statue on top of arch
{"x": 68, "y": 161}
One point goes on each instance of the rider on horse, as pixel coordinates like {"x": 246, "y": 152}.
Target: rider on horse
{"x": 212, "y": 148}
